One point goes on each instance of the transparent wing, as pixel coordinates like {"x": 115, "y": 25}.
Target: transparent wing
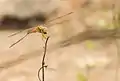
{"x": 19, "y": 40}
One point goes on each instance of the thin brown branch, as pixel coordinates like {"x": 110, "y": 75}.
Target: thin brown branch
{"x": 43, "y": 61}
{"x": 39, "y": 72}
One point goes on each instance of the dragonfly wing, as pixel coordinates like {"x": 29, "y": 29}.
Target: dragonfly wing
{"x": 18, "y": 41}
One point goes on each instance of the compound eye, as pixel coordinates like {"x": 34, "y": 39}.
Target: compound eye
{"x": 45, "y": 32}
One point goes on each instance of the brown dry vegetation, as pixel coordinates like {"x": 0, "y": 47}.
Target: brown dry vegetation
{"x": 68, "y": 51}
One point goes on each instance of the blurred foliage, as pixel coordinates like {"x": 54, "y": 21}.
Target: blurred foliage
{"x": 81, "y": 77}
{"x": 89, "y": 44}
{"x": 115, "y": 21}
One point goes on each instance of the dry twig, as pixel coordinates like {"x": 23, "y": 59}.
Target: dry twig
{"x": 43, "y": 61}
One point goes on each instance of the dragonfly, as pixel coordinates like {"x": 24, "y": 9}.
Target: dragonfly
{"x": 37, "y": 29}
